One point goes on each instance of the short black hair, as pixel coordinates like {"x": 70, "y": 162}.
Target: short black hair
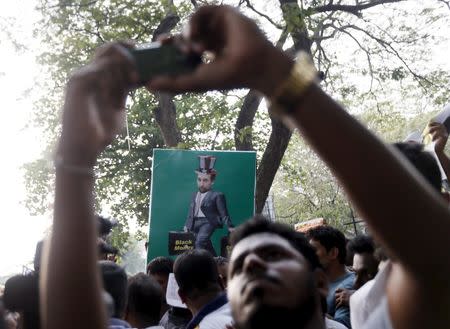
{"x": 329, "y": 237}
{"x": 259, "y": 224}
{"x": 21, "y": 294}
{"x": 114, "y": 283}
{"x": 424, "y": 162}
{"x": 160, "y": 265}
{"x": 196, "y": 272}
{"x": 144, "y": 299}
{"x": 361, "y": 244}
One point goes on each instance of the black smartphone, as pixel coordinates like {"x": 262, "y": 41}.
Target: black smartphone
{"x": 162, "y": 59}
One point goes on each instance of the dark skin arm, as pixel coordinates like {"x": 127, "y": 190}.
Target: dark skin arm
{"x": 388, "y": 192}
{"x": 94, "y": 105}
{"x": 374, "y": 175}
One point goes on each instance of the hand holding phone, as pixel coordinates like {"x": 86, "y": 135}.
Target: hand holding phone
{"x": 162, "y": 59}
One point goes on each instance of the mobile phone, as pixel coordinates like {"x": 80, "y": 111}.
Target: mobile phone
{"x": 155, "y": 59}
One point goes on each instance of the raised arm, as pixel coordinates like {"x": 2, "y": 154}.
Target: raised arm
{"x": 92, "y": 115}
{"x": 389, "y": 193}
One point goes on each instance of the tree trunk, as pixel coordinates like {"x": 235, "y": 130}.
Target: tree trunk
{"x": 243, "y": 134}
{"x": 280, "y": 135}
{"x": 270, "y": 162}
{"x": 166, "y": 114}
{"x": 166, "y": 117}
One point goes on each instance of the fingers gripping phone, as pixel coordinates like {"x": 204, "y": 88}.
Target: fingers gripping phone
{"x": 162, "y": 59}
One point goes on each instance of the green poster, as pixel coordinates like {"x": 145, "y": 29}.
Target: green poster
{"x": 197, "y": 197}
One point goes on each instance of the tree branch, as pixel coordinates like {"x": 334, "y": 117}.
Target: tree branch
{"x": 447, "y": 3}
{"x": 351, "y": 9}
{"x": 165, "y": 113}
{"x": 270, "y": 20}
{"x": 369, "y": 61}
{"x": 242, "y": 138}
{"x": 65, "y": 4}
{"x": 390, "y": 49}
{"x": 271, "y": 159}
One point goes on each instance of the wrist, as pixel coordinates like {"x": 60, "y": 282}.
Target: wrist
{"x": 295, "y": 87}
{"x": 76, "y": 156}
{"x": 278, "y": 66}
{"x": 66, "y": 167}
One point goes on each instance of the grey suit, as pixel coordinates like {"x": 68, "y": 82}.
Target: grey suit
{"x": 214, "y": 207}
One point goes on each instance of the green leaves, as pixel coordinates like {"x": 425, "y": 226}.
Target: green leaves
{"x": 377, "y": 65}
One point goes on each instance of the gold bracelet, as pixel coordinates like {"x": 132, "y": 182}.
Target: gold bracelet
{"x": 289, "y": 94}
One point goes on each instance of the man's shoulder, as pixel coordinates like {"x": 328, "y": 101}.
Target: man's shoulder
{"x": 349, "y": 280}
{"x": 346, "y": 281}
{"x": 217, "y": 319}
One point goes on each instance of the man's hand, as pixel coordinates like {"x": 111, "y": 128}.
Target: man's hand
{"x": 94, "y": 105}
{"x": 243, "y": 57}
{"x": 343, "y": 297}
{"x": 439, "y": 135}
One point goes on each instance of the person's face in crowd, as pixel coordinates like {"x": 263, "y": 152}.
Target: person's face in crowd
{"x": 324, "y": 256}
{"x": 162, "y": 280}
{"x": 365, "y": 267}
{"x": 270, "y": 283}
{"x": 204, "y": 182}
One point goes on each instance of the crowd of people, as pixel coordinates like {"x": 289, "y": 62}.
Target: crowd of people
{"x": 274, "y": 277}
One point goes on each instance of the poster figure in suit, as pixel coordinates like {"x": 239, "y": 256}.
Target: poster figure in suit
{"x": 208, "y": 208}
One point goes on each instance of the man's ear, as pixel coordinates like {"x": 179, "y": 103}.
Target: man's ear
{"x": 182, "y": 296}
{"x": 333, "y": 253}
{"x": 446, "y": 197}
{"x": 321, "y": 282}
{"x": 222, "y": 282}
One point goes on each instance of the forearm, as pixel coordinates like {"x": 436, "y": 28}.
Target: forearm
{"x": 387, "y": 191}
{"x": 71, "y": 283}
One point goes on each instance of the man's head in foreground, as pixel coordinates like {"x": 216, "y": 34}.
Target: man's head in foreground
{"x": 197, "y": 277}
{"x": 274, "y": 277}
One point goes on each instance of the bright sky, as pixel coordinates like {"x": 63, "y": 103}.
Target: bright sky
{"x": 20, "y": 231}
